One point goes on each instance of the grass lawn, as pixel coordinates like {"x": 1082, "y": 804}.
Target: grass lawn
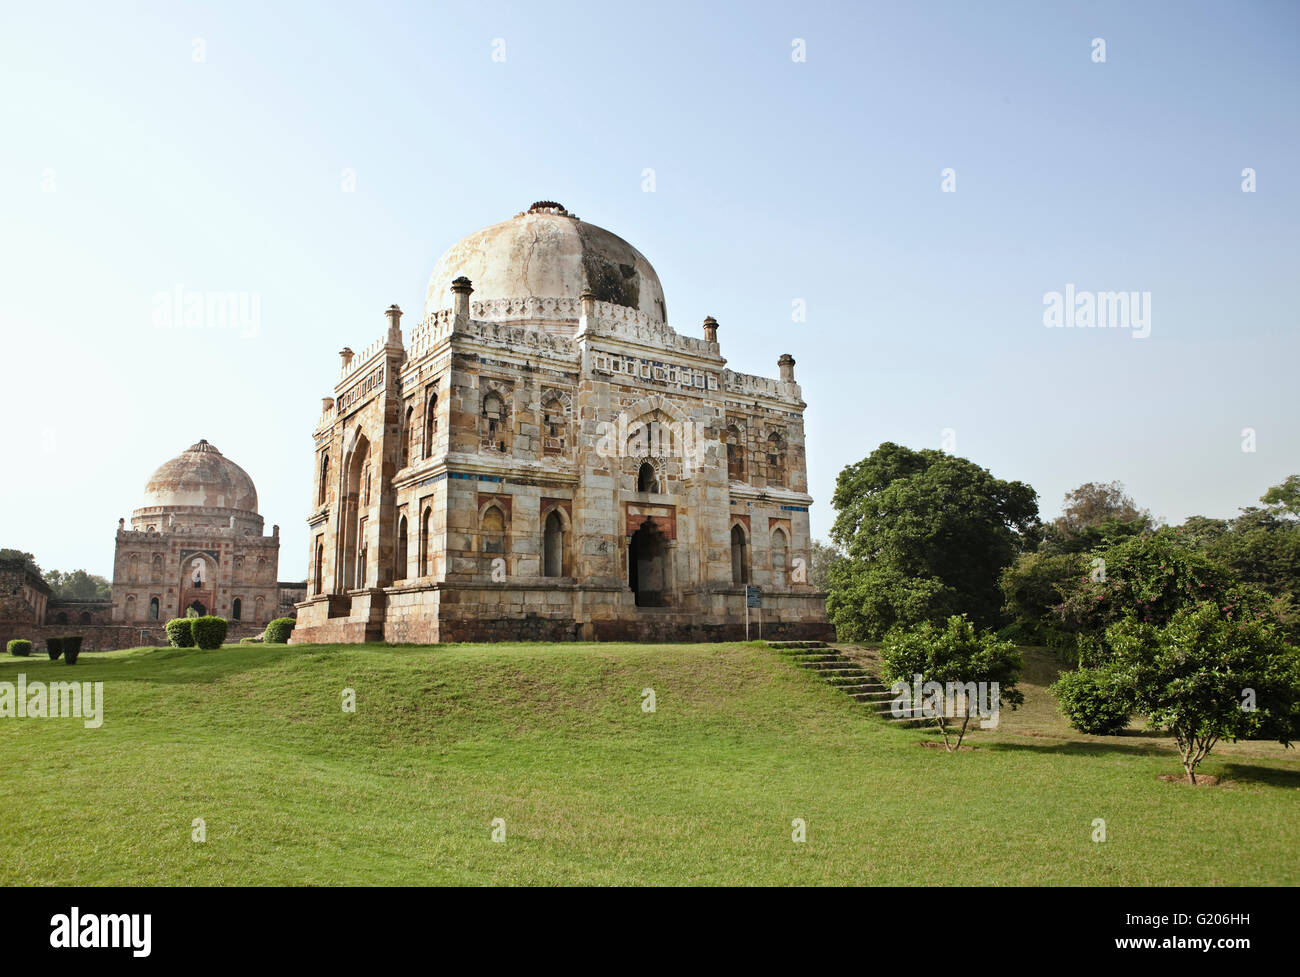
{"x": 553, "y": 739}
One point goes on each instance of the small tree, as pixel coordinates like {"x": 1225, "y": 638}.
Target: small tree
{"x": 955, "y": 656}
{"x": 1209, "y": 675}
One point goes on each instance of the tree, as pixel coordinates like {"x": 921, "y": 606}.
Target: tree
{"x": 11, "y": 554}
{"x": 78, "y": 585}
{"x": 1208, "y": 675}
{"x": 1033, "y": 588}
{"x": 1284, "y": 498}
{"x": 925, "y": 535}
{"x": 1149, "y": 578}
{"x": 1198, "y": 532}
{"x": 1092, "y": 503}
{"x": 957, "y": 657}
{"x": 824, "y": 556}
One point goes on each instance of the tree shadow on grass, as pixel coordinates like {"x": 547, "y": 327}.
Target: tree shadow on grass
{"x": 1079, "y": 748}
{"x": 1251, "y": 774}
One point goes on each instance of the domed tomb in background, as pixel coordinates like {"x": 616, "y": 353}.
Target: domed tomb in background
{"x": 197, "y": 487}
{"x": 196, "y": 545}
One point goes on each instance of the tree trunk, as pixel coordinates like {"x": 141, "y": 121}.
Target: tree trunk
{"x": 964, "y": 723}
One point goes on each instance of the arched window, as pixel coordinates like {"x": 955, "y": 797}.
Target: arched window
{"x": 645, "y": 478}
{"x": 426, "y": 524}
{"x": 492, "y": 530}
{"x": 775, "y": 459}
{"x": 134, "y": 565}
{"x": 236, "y": 609}
{"x": 399, "y": 571}
{"x": 63, "y": 616}
{"x": 257, "y": 609}
{"x": 494, "y": 427}
{"x": 153, "y": 608}
{"x": 156, "y": 568}
{"x": 85, "y": 617}
{"x": 407, "y": 436}
{"x": 430, "y": 423}
{"x": 320, "y": 568}
{"x": 739, "y": 556}
{"x": 324, "y": 478}
{"x": 735, "y": 454}
{"x": 779, "y": 559}
{"x": 553, "y": 545}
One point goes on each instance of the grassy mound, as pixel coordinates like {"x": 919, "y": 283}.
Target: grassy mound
{"x": 592, "y": 789}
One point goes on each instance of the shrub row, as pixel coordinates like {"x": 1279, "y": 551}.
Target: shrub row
{"x": 207, "y": 633}
{"x": 66, "y": 648}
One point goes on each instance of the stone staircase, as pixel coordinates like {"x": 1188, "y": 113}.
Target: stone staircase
{"x": 852, "y": 673}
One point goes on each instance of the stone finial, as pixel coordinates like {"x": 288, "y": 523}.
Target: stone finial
{"x": 461, "y": 289}
{"x": 588, "y": 300}
{"x": 710, "y": 329}
{"x": 394, "y": 315}
{"x": 346, "y": 354}
{"x": 786, "y": 365}
{"x": 275, "y": 530}
{"x": 326, "y": 404}
{"x": 121, "y": 524}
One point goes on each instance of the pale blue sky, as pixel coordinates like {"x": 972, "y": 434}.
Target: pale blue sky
{"x": 128, "y": 168}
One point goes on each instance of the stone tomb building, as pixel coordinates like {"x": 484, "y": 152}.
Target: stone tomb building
{"x": 544, "y": 457}
{"x": 196, "y": 544}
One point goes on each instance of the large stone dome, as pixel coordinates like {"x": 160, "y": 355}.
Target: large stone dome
{"x": 547, "y": 252}
{"x": 201, "y": 477}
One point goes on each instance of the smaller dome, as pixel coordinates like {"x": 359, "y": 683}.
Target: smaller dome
{"x": 202, "y": 477}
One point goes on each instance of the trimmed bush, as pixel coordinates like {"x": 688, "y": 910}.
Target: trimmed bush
{"x": 278, "y": 631}
{"x": 71, "y": 649}
{"x": 20, "y": 647}
{"x": 1094, "y": 700}
{"x": 209, "y": 632}
{"x": 54, "y": 646}
{"x": 179, "y": 633}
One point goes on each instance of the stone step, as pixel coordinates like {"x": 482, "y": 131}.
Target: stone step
{"x": 826, "y": 663}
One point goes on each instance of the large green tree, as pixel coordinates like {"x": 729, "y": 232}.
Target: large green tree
{"x": 78, "y": 585}
{"x": 925, "y": 536}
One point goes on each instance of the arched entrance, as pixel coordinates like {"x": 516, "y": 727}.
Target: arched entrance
{"x": 198, "y": 608}
{"x": 647, "y": 565}
{"x": 354, "y": 510}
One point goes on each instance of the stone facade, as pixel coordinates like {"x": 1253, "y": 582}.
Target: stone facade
{"x": 553, "y": 461}
{"x": 196, "y": 543}
{"x": 24, "y": 598}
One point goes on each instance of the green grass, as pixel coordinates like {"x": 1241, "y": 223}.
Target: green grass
{"x": 552, "y": 739}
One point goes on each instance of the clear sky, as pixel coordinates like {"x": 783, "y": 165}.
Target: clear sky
{"x": 318, "y": 157}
